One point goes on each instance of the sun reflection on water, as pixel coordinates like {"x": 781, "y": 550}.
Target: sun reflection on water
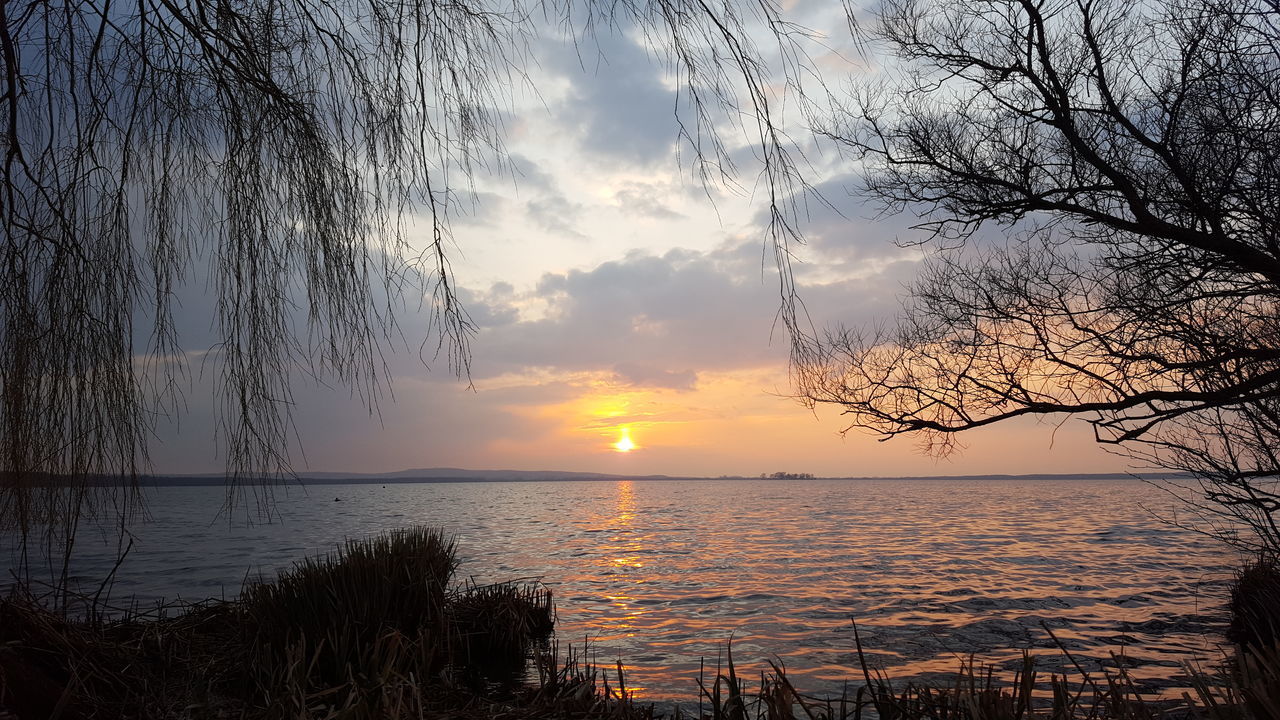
{"x": 627, "y": 542}
{"x": 663, "y": 573}
{"x": 621, "y": 556}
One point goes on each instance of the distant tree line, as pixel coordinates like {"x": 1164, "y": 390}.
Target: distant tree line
{"x": 786, "y": 476}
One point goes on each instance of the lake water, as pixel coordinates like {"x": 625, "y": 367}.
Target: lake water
{"x": 661, "y": 574}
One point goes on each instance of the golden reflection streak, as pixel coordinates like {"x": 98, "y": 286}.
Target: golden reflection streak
{"x": 624, "y": 507}
{"x": 624, "y": 513}
{"x": 622, "y": 554}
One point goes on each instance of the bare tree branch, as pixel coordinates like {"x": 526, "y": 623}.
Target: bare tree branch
{"x": 1131, "y": 156}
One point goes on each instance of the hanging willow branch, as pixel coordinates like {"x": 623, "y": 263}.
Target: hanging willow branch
{"x": 278, "y": 146}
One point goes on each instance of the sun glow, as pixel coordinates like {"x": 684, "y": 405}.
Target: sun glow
{"x": 624, "y": 443}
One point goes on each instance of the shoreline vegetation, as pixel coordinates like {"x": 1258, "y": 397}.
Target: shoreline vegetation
{"x": 379, "y": 629}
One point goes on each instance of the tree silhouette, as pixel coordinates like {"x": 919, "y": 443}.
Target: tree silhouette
{"x": 1130, "y": 155}
{"x": 280, "y": 145}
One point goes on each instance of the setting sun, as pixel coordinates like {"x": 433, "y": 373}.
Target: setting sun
{"x": 624, "y": 443}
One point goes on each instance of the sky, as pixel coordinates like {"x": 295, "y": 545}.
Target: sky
{"x": 627, "y": 315}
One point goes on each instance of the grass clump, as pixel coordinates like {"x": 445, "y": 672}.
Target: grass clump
{"x": 373, "y": 630}
{"x": 366, "y": 630}
{"x": 368, "y": 617}
{"x": 492, "y": 627}
{"x": 1255, "y": 605}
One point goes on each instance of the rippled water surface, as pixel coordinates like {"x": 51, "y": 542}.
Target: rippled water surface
{"x": 662, "y": 573}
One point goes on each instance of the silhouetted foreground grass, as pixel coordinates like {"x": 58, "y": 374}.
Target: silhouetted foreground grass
{"x": 372, "y": 631}
{"x": 1255, "y": 605}
{"x": 377, "y": 630}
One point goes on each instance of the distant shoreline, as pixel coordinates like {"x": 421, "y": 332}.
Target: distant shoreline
{"x": 551, "y": 476}
{"x": 458, "y": 475}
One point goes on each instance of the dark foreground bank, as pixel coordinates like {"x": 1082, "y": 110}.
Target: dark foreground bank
{"x": 379, "y": 630}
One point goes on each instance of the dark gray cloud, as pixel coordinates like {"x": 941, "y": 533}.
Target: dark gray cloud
{"x": 556, "y": 214}
{"x": 530, "y": 177}
{"x": 843, "y": 226}
{"x": 659, "y": 320}
{"x": 491, "y": 309}
{"x": 546, "y": 205}
{"x": 671, "y": 313}
{"x": 617, "y": 106}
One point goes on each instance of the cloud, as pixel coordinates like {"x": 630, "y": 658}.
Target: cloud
{"x": 547, "y": 207}
{"x": 645, "y": 200}
{"x": 842, "y": 225}
{"x": 668, "y": 313}
{"x": 618, "y": 105}
{"x": 646, "y": 419}
{"x": 555, "y": 214}
{"x": 530, "y": 176}
{"x": 674, "y": 346}
{"x": 492, "y": 309}
{"x": 649, "y": 376}
{"x": 478, "y": 208}
{"x": 431, "y": 420}
{"x": 660, "y": 320}
{"x": 847, "y": 231}
{"x": 682, "y": 345}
